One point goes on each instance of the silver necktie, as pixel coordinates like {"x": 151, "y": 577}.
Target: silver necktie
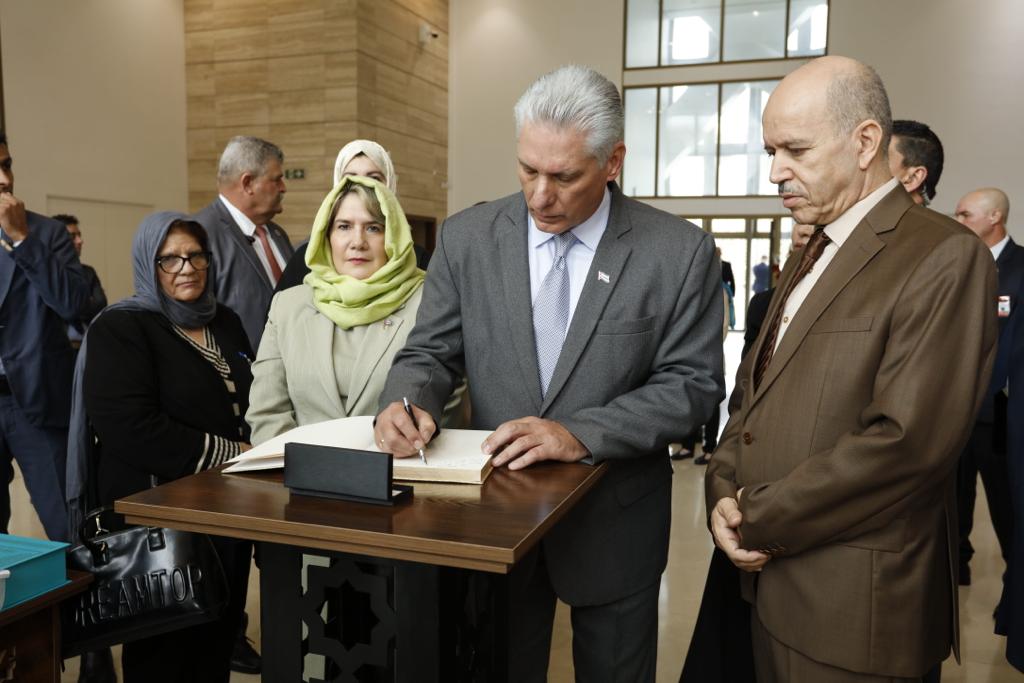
{"x": 551, "y": 311}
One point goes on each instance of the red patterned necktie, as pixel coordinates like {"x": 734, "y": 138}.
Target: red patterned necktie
{"x": 812, "y": 252}
{"x": 275, "y": 267}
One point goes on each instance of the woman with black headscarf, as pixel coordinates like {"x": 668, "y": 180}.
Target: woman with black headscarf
{"x": 166, "y": 385}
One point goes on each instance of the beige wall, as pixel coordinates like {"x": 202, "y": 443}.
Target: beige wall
{"x": 498, "y": 47}
{"x": 95, "y": 108}
{"x": 958, "y": 70}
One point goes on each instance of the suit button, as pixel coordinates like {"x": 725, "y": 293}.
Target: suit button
{"x": 747, "y": 438}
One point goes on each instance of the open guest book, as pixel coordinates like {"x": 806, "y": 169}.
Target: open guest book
{"x": 452, "y": 457}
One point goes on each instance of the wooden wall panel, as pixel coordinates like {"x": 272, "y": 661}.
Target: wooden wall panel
{"x": 310, "y": 76}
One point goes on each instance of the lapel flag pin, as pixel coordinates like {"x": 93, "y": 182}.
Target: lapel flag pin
{"x": 603, "y": 277}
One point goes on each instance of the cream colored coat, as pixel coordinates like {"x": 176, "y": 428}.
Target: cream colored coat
{"x": 294, "y": 379}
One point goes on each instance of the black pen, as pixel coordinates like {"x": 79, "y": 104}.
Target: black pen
{"x": 408, "y": 409}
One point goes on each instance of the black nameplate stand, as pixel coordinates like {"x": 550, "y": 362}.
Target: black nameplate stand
{"x": 342, "y": 473}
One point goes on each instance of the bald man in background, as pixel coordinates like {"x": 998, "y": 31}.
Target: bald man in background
{"x": 985, "y": 212}
{"x": 915, "y": 159}
{"x": 839, "y": 512}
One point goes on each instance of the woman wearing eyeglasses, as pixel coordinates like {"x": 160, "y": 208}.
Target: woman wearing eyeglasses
{"x": 166, "y": 384}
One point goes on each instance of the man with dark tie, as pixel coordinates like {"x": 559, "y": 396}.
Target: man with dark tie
{"x": 589, "y": 327}
{"x": 249, "y": 250}
{"x": 833, "y": 486}
{"x": 984, "y": 212}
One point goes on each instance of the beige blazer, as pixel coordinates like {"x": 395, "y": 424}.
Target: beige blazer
{"x": 847, "y": 451}
{"x": 294, "y": 380}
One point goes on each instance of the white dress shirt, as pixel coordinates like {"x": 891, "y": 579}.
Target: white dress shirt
{"x": 998, "y": 247}
{"x": 579, "y": 257}
{"x": 838, "y": 231}
{"x": 249, "y": 230}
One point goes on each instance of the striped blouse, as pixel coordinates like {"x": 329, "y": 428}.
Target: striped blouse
{"x": 216, "y": 449}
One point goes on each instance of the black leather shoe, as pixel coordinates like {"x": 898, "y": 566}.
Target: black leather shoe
{"x": 97, "y": 667}
{"x": 244, "y": 658}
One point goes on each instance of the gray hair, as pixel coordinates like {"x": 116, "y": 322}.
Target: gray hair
{"x": 856, "y": 96}
{"x": 246, "y": 154}
{"x": 575, "y": 97}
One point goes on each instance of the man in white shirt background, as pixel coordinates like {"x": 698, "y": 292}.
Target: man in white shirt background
{"x": 249, "y": 250}
{"x": 249, "y": 254}
{"x": 984, "y": 212}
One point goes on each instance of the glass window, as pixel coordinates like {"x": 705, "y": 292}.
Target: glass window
{"x": 734, "y": 252}
{"x": 764, "y": 226}
{"x": 807, "y": 33}
{"x": 690, "y": 31}
{"x": 641, "y": 123}
{"x": 733, "y": 225}
{"x": 699, "y": 222}
{"x": 744, "y": 167}
{"x": 785, "y": 239}
{"x": 688, "y": 133}
{"x": 641, "y": 33}
{"x": 754, "y": 29}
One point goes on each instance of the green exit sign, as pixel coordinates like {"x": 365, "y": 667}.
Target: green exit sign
{"x": 295, "y": 174}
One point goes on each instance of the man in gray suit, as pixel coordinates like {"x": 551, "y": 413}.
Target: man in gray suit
{"x": 249, "y": 251}
{"x": 589, "y": 328}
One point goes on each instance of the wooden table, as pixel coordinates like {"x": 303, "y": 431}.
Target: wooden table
{"x": 30, "y": 634}
{"x": 398, "y": 576}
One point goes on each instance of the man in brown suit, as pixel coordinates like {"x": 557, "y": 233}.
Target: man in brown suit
{"x": 843, "y": 512}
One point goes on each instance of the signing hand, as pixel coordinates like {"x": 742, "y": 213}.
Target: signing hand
{"x": 395, "y": 433}
{"x": 12, "y": 217}
{"x": 725, "y": 524}
{"x": 520, "y": 443}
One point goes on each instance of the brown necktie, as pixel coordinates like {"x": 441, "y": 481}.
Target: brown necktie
{"x": 812, "y": 252}
{"x": 275, "y": 267}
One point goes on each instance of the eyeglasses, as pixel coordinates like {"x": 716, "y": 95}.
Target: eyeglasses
{"x": 173, "y": 264}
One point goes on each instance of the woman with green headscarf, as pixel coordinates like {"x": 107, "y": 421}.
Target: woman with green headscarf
{"x": 328, "y": 344}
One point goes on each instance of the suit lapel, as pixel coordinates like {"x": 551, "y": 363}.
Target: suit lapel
{"x": 379, "y": 336}
{"x": 859, "y": 248}
{"x": 242, "y": 243}
{"x": 321, "y": 352}
{"x": 515, "y": 272}
{"x": 610, "y": 258}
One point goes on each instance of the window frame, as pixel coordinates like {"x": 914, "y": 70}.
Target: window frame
{"x": 718, "y": 137}
{"x": 721, "y": 40}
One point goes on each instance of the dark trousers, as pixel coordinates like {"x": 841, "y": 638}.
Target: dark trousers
{"x": 198, "y": 654}
{"x": 984, "y": 454}
{"x": 720, "y": 649}
{"x": 617, "y": 641}
{"x": 41, "y": 454}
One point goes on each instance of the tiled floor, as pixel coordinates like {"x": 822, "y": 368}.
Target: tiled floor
{"x": 683, "y": 582}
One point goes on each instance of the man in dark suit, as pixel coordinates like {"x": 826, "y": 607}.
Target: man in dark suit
{"x": 762, "y": 276}
{"x": 584, "y": 340}
{"x": 249, "y": 251}
{"x": 916, "y": 159}
{"x": 1009, "y": 372}
{"x": 97, "y": 300}
{"x": 984, "y": 212}
{"x": 833, "y": 487}
{"x": 41, "y": 286}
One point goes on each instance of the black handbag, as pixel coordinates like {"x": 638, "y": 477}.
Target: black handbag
{"x": 146, "y": 581}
